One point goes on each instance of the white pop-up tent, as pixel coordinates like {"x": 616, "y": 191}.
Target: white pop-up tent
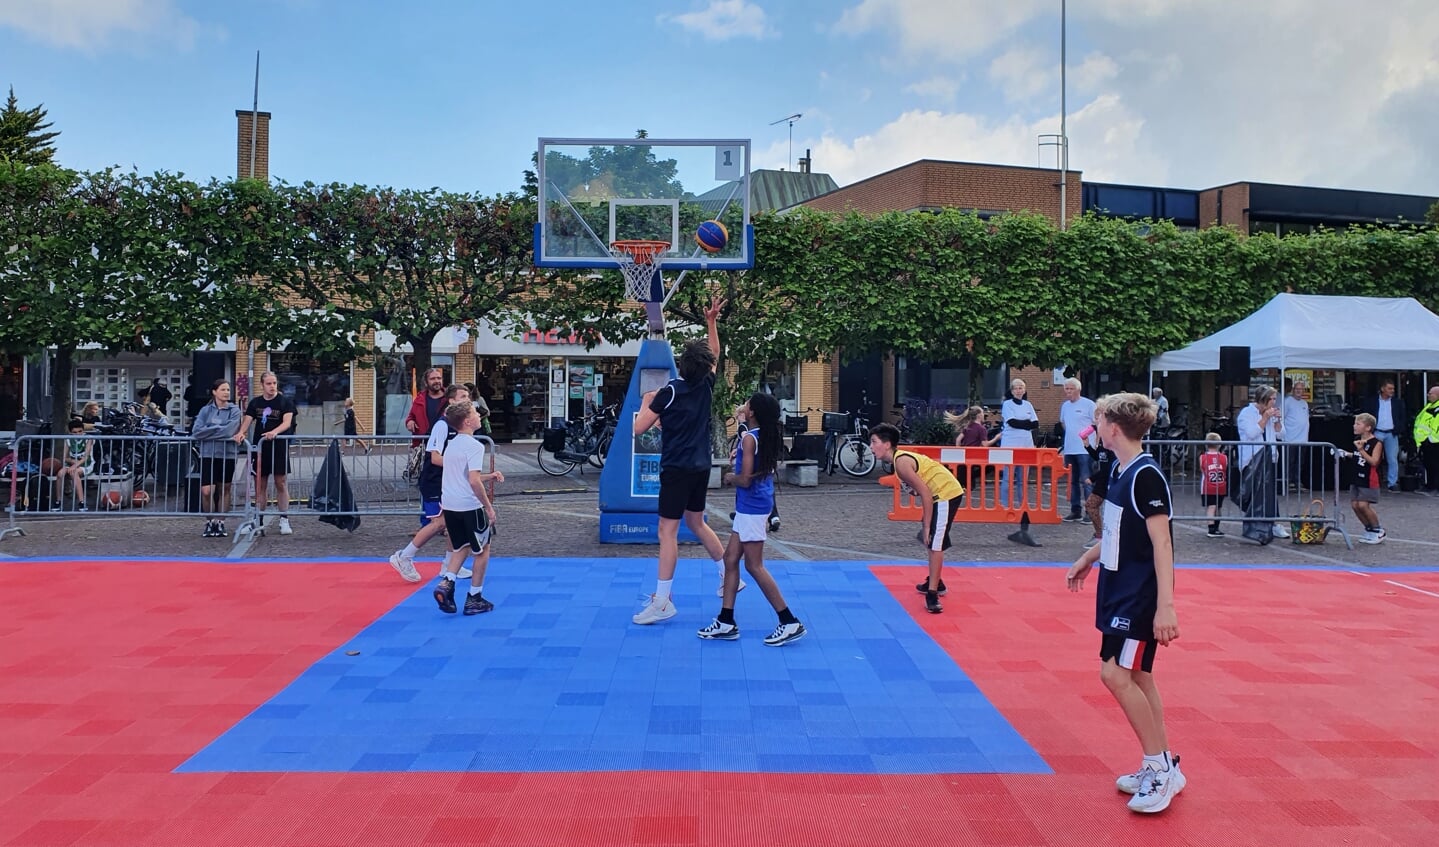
{"x": 1321, "y": 331}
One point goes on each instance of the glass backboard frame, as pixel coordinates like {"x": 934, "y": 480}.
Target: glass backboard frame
{"x": 684, "y": 254}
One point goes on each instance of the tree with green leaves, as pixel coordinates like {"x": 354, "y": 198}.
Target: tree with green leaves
{"x": 412, "y": 262}
{"x": 127, "y": 263}
{"x": 1432, "y": 216}
{"x": 23, "y": 139}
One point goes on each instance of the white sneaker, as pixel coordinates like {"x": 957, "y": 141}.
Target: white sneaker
{"x": 464, "y": 573}
{"x": 285, "y": 527}
{"x": 719, "y": 592}
{"x": 1156, "y": 789}
{"x": 719, "y": 631}
{"x": 1367, "y": 537}
{"x": 404, "y": 566}
{"x": 655, "y": 610}
{"x": 1129, "y": 783}
{"x": 1281, "y": 531}
{"x": 785, "y": 633}
{"x": 1374, "y": 537}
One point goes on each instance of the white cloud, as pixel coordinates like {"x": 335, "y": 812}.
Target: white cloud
{"x": 951, "y": 30}
{"x": 1106, "y": 130}
{"x": 941, "y": 88}
{"x": 1026, "y": 72}
{"x": 1204, "y": 92}
{"x": 722, "y": 20}
{"x": 92, "y": 25}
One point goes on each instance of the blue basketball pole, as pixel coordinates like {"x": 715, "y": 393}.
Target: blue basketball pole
{"x": 630, "y": 480}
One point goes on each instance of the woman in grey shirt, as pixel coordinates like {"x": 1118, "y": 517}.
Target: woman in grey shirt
{"x": 217, "y": 433}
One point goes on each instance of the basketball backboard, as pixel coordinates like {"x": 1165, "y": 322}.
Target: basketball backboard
{"x": 595, "y": 191}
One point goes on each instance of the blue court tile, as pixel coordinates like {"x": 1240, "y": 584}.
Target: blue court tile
{"x": 557, "y": 678}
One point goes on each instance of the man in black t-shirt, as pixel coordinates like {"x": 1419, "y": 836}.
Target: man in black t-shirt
{"x": 682, "y": 409}
{"x": 159, "y": 395}
{"x": 274, "y": 415}
{"x": 1134, "y": 606}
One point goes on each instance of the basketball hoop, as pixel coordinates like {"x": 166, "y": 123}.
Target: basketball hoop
{"x": 637, "y": 263}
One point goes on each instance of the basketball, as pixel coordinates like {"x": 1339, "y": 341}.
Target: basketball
{"x": 711, "y": 236}
{"x": 50, "y": 467}
{"x": 141, "y": 498}
{"x": 111, "y": 499}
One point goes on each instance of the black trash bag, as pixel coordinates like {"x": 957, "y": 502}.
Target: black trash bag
{"x": 1258, "y": 497}
{"x": 331, "y": 493}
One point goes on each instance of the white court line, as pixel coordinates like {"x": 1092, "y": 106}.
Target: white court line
{"x": 1389, "y": 539}
{"x": 1411, "y": 588}
{"x": 770, "y": 543}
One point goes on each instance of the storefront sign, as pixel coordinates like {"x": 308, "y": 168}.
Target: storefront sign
{"x": 534, "y": 336}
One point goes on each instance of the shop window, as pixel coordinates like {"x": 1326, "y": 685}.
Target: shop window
{"x": 945, "y": 384}
{"x": 782, "y": 380}
{"x": 12, "y": 385}
{"x": 396, "y": 384}
{"x": 107, "y": 386}
{"x": 318, "y": 386}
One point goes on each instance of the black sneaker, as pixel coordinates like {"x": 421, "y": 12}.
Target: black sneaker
{"x": 931, "y": 602}
{"x": 220, "y": 531}
{"x": 209, "y": 529}
{"x": 1074, "y": 517}
{"x": 475, "y": 604}
{"x": 923, "y": 588}
{"x": 445, "y": 596}
{"x": 1215, "y": 533}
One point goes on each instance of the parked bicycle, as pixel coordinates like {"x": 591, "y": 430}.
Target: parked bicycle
{"x": 585, "y": 440}
{"x": 136, "y": 454}
{"x": 846, "y": 444}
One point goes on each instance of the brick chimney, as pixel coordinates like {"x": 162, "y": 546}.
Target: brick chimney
{"x": 246, "y": 129}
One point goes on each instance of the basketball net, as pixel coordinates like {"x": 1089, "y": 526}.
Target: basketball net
{"x": 636, "y": 260}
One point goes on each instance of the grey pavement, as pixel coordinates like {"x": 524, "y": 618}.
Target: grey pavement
{"x": 842, "y": 518}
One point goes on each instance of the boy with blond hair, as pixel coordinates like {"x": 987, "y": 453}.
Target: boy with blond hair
{"x": 1135, "y": 599}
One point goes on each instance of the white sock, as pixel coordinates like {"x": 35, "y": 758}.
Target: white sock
{"x": 475, "y": 589}
{"x": 1159, "y": 762}
{"x": 663, "y": 588}
{"x": 409, "y": 551}
{"x": 447, "y": 575}
{"x": 719, "y": 567}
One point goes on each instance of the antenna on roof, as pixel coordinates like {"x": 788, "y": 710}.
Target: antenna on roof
{"x": 791, "y": 119}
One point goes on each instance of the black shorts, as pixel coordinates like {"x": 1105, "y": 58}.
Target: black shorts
{"x": 941, "y": 511}
{"x": 1128, "y": 653}
{"x": 470, "y": 529}
{"x": 682, "y": 491}
{"x": 274, "y": 458}
{"x": 1207, "y": 500}
{"x": 216, "y": 470}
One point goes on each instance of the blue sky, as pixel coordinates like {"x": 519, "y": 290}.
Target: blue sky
{"x": 1190, "y": 93}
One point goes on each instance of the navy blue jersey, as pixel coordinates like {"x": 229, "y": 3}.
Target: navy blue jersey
{"x": 1128, "y": 588}
{"x": 684, "y": 411}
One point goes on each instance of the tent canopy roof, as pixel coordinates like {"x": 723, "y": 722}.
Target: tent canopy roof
{"x": 1320, "y": 331}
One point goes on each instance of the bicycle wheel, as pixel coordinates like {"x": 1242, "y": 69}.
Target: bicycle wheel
{"x": 602, "y": 450}
{"x": 855, "y": 457}
{"x": 413, "y": 464}
{"x": 552, "y": 464}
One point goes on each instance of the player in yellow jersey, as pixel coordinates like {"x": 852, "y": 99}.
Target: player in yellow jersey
{"x": 931, "y": 483}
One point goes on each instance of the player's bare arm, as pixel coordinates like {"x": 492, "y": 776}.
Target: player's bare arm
{"x": 1081, "y": 567}
{"x": 1166, "y": 618}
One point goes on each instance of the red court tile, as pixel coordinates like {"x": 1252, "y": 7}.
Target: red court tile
{"x": 1302, "y": 702}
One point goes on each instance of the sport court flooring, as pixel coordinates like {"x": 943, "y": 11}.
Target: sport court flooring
{"x": 190, "y": 702}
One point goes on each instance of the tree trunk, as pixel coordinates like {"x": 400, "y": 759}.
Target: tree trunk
{"x": 976, "y": 382}
{"x": 62, "y": 370}
{"x": 420, "y": 360}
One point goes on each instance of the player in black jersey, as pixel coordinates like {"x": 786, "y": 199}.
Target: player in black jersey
{"x": 1135, "y": 599}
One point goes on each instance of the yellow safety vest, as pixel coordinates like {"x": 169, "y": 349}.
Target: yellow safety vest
{"x": 1426, "y": 425}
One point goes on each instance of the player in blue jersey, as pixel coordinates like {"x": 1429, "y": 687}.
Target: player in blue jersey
{"x": 755, "y": 460}
{"x": 1135, "y": 600}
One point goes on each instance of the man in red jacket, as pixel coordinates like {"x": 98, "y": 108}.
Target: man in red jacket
{"x": 427, "y": 407}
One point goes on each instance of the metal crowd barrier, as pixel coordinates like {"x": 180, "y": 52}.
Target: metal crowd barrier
{"x": 1303, "y": 473}
{"x": 158, "y": 477}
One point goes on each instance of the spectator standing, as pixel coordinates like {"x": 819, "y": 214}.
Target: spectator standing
{"x": 1076, "y": 414}
{"x": 1260, "y": 421}
{"x": 1390, "y": 418}
{"x": 1426, "y": 437}
{"x": 1020, "y": 422}
{"x": 274, "y": 415}
{"x": 427, "y": 407}
{"x": 1298, "y": 464}
{"x": 1161, "y": 403}
{"x": 1213, "y": 481}
{"x": 217, "y": 432}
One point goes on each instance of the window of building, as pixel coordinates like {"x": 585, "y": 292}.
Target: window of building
{"x": 946, "y": 384}
{"x": 782, "y": 380}
{"x": 317, "y": 385}
{"x": 12, "y": 387}
{"x": 396, "y": 384}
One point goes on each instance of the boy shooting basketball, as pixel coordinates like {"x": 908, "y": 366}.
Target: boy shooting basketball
{"x": 1135, "y": 601}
